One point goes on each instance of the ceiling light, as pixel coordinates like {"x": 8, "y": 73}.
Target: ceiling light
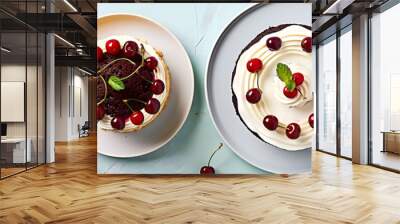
{"x": 337, "y": 7}
{"x": 70, "y": 5}
{"x": 5, "y": 50}
{"x": 84, "y": 71}
{"x": 64, "y": 40}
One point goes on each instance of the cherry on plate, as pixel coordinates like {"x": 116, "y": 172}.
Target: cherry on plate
{"x": 118, "y": 123}
{"x": 151, "y": 62}
{"x": 113, "y": 47}
{"x": 290, "y": 94}
{"x": 306, "y": 44}
{"x": 254, "y": 65}
{"x": 298, "y": 78}
{"x": 100, "y": 112}
{"x": 99, "y": 54}
{"x": 293, "y": 131}
{"x": 270, "y": 122}
{"x": 137, "y": 117}
{"x": 274, "y": 43}
{"x": 253, "y": 95}
{"x": 152, "y": 106}
{"x": 130, "y": 49}
{"x": 157, "y": 87}
{"x": 311, "y": 120}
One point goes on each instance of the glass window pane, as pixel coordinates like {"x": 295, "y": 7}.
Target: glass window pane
{"x": 327, "y": 96}
{"x": 13, "y": 86}
{"x": 385, "y": 89}
{"x": 346, "y": 94}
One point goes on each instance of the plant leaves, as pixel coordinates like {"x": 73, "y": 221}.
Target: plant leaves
{"x": 285, "y": 75}
{"x": 116, "y": 83}
{"x": 291, "y": 85}
{"x": 284, "y": 72}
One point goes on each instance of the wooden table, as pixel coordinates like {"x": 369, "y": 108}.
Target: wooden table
{"x": 391, "y": 141}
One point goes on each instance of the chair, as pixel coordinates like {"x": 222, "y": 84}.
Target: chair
{"x": 84, "y": 130}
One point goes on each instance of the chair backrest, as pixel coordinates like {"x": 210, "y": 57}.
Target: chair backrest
{"x": 86, "y": 125}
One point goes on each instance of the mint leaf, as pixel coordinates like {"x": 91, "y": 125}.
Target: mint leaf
{"x": 290, "y": 85}
{"x": 284, "y": 72}
{"x": 116, "y": 83}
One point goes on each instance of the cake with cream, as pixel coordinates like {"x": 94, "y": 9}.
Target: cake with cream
{"x": 272, "y": 86}
{"x": 133, "y": 84}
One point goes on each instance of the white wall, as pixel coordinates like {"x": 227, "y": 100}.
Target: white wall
{"x": 70, "y": 83}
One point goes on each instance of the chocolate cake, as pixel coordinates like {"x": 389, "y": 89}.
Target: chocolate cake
{"x": 132, "y": 85}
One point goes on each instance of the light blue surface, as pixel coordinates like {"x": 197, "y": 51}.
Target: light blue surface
{"x": 197, "y": 26}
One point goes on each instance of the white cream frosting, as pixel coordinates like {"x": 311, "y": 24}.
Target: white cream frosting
{"x": 161, "y": 72}
{"x": 273, "y": 101}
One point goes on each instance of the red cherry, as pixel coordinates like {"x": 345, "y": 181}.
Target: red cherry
{"x": 100, "y": 112}
{"x": 113, "y": 47}
{"x": 274, "y": 43}
{"x": 290, "y": 94}
{"x": 151, "y": 62}
{"x": 271, "y": 122}
{"x": 293, "y": 130}
{"x": 253, "y": 95}
{"x": 311, "y": 120}
{"x": 130, "y": 49}
{"x": 306, "y": 44}
{"x": 118, "y": 123}
{"x": 254, "y": 65}
{"x": 152, "y": 106}
{"x": 207, "y": 170}
{"x": 157, "y": 87}
{"x": 99, "y": 54}
{"x": 136, "y": 117}
{"x": 298, "y": 78}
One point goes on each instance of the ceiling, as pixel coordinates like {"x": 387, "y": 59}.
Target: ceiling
{"x": 75, "y": 21}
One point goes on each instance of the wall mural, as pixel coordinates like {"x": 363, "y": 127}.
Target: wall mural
{"x": 204, "y": 88}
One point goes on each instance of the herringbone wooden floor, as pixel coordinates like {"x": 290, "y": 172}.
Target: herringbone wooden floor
{"x": 70, "y": 191}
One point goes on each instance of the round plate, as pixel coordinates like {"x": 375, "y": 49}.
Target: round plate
{"x": 171, "y": 119}
{"x": 219, "y": 94}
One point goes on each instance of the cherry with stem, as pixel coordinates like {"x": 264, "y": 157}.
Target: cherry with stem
{"x": 208, "y": 170}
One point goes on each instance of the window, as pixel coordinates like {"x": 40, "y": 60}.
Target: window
{"x": 345, "y": 92}
{"x": 326, "y": 132}
{"x": 385, "y": 89}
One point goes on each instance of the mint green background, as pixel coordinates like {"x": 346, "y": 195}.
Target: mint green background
{"x": 197, "y": 26}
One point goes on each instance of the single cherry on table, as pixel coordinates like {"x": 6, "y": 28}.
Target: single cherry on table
{"x": 209, "y": 170}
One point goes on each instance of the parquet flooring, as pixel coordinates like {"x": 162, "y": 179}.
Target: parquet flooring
{"x": 70, "y": 191}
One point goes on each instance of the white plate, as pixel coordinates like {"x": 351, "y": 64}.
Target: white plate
{"x": 171, "y": 119}
{"x": 222, "y": 60}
